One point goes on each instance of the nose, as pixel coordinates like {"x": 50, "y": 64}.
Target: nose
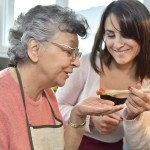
{"x": 118, "y": 42}
{"x": 76, "y": 62}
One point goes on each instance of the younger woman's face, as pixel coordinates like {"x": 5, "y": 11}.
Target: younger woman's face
{"x": 123, "y": 50}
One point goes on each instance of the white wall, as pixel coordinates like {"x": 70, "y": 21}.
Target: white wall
{"x": 7, "y": 17}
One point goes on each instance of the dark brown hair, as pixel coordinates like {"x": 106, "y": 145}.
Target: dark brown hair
{"x": 134, "y": 21}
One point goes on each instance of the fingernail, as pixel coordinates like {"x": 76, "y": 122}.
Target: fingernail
{"x": 130, "y": 88}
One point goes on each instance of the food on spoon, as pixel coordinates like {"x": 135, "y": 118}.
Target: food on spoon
{"x": 103, "y": 91}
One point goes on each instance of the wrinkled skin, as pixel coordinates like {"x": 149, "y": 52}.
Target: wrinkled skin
{"x": 93, "y": 106}
{"x": 106, "y": 124}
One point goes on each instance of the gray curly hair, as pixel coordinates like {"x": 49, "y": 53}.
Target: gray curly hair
{"x": 42, "y": 23}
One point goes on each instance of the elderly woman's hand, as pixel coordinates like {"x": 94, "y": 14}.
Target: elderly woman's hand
{"x": 137, "y": 102}
{"x": 93, "y": 106}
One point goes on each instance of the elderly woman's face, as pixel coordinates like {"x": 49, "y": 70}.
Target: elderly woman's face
{"x": 59, "y": 58}
{"x": 122, "y": 49}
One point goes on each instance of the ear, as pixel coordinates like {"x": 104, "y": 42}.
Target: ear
{"x": 33, "y": 47}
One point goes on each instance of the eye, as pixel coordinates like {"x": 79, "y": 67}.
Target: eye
{"x": 67, "y": 50}
{"x": 110, "y": 35}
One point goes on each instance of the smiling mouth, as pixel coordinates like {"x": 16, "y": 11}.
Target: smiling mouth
{"x": 121, "y": 50}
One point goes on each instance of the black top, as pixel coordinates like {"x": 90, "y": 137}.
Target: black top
{"x": 117, "y": 101}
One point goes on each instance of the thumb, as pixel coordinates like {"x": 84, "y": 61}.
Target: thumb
{"x": 138, "y": 85}
{"x": 108, "y": 102}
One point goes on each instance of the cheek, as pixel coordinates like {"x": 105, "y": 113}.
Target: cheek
{"x": 61, "y": 78}
{"x": 108, "y": 46}
{"x": 59, "y": 69}
{"x": 136, "y": 50}
{"x": 62, "y": 66}
{"x": 110, "y": 50}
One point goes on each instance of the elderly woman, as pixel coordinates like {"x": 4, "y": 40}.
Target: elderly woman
{"x": 43, "y": 52}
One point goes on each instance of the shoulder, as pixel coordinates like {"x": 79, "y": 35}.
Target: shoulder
{"x": 3, "y": 74}
{"x": 8, "y": 90}
{"x": 4, "y": 81}
{"x": 84, "y": 65}
{"x": 85, "y": 60}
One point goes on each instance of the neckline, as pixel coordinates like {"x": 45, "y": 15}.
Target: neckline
{"x": 16, "y": 83}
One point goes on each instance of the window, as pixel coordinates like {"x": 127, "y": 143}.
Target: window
{"x": 25, "y": 5}
{"x": 10, "y": 9}
{"x": 6, "y": 15}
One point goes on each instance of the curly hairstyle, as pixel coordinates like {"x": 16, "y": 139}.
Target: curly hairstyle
{"x": 42, "y": 23}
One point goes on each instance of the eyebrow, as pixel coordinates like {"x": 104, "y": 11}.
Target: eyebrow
{"x": 67, "y": 46}
{"x": 109, "y": 31}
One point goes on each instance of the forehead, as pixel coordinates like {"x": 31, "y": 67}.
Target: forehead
{"x": 66, "y": 38}
{"x": 112, "y": 23}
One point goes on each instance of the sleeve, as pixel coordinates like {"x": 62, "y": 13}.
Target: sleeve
{"x": 68, "y": 95}
{"x": 4, "y": 135}
{"x": 137, "y": 132}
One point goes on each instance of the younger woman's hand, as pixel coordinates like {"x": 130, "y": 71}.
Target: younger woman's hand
{"x": 137, "y": 102}
{"x": 106, "y": 124}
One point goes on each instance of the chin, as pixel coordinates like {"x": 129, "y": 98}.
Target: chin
{"x": 122, "y": 62}
{"x": 60, "y": 84}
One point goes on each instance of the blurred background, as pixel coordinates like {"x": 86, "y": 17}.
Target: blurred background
{"x": 91, "y": 9}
